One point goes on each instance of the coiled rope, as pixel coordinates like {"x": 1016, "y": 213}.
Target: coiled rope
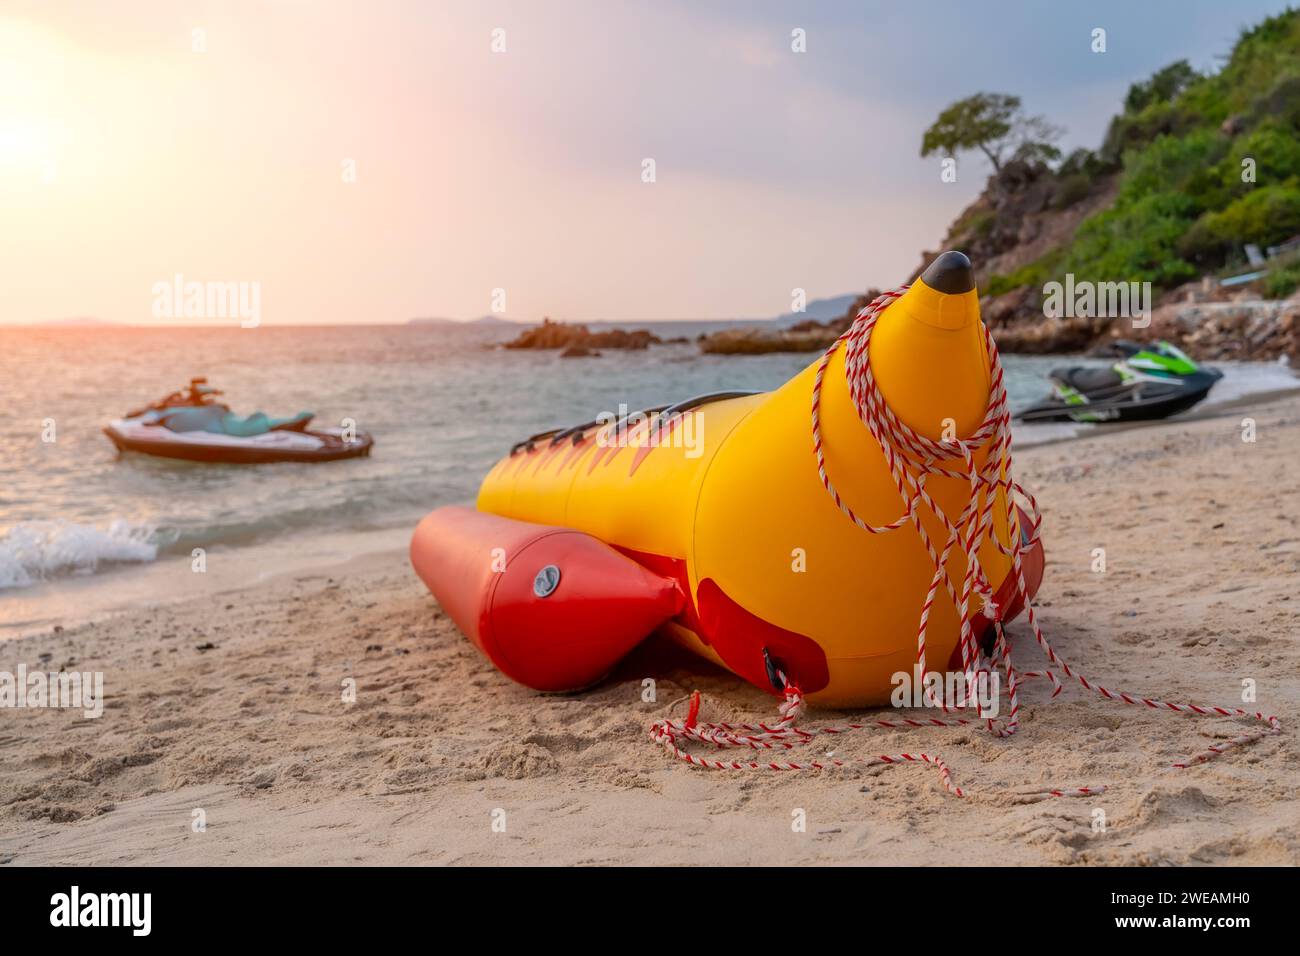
{"x": 912, "y": 458}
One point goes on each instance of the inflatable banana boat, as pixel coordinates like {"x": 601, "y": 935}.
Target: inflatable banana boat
{"x": 710, "y": 520}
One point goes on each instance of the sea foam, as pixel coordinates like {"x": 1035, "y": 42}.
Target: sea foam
{"x": 34, "y": 550}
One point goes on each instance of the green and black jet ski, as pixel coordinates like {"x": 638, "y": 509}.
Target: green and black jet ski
{"x": 1149, "y": 382}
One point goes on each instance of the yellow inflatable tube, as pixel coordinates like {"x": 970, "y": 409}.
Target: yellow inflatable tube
{"x": 732, "y": 505}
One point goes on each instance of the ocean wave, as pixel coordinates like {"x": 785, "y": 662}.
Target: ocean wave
{"x": 35, "y": 550}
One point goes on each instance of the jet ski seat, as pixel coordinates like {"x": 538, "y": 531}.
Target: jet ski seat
{"x": 1087, "y": 378}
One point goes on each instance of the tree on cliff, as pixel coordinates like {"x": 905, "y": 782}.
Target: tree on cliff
{"x": 994, "y": 124}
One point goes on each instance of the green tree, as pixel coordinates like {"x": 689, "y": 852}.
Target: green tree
{"x": 994, "y": 124}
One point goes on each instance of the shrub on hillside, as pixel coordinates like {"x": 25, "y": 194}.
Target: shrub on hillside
{"x": 1134, "y": 242}
{"x": 1281, "y": 103}
{"x": 1182, "y": 202}
{"x": 1281, "y": 282}
{"x": 1264, "y": 216}
{"x": 1169, "y": 163}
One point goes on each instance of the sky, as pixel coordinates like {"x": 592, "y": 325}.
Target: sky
{"x": 379, "y": 161}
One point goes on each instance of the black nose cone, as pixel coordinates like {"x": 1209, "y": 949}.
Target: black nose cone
{"x": 951, "y": 274}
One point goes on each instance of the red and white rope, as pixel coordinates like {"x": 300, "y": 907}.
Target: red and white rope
{"x": 913, "y": 458}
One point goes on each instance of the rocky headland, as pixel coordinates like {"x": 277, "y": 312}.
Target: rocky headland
{"x": 575, "y": 340}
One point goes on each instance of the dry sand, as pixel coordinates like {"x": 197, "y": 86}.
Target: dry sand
{"x": 1203, "y": 553}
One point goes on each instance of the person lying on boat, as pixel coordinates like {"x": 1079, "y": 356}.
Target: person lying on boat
{"x": 220, "y": 420}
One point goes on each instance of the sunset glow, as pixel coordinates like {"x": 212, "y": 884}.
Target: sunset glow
{"x": 212, "y": 140}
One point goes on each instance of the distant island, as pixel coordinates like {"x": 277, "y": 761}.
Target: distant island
{"x": 76, "y": 322}
{"x": 481, "y": 320}
{"x": 812, "y": 330}
{"x": 820, "y": 310}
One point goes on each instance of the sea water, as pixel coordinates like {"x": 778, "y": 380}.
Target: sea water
{"x": 443, "y": 403}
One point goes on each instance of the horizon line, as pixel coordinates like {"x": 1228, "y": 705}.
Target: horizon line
{"x": 234, "y": 324}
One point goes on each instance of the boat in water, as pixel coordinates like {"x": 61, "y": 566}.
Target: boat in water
{"x": 192, "y": 425}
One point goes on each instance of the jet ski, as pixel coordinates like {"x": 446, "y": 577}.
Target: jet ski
{"x": 1149, "y": 382}
{"x": 190, "y": 424}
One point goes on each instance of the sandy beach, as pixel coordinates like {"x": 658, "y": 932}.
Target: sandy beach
{"x": 228, "y": 708}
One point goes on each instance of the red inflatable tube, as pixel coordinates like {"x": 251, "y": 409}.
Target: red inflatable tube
{"x": 553, "y": 608}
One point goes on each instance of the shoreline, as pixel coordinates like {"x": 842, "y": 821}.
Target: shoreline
{"x": 230, "y": 704}
{"x": 121, "y": 586}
